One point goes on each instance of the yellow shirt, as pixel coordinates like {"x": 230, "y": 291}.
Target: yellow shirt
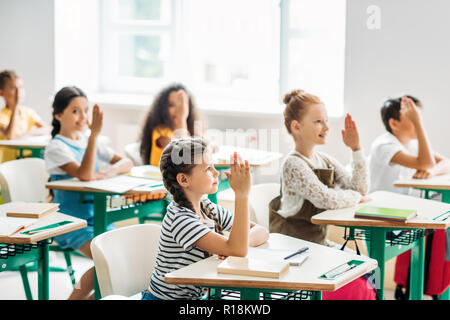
{"x": 155, "y": 154}
{"x": 26, "y": 120}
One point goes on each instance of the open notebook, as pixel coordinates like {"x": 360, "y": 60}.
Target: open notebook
{"x": 10, "y": 225}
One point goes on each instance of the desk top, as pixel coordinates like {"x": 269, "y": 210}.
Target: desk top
{"x": 74, "y": 184}
{"x": 31, "y": 142}
{"x": 437, "y": 182}
{"x": 256, "y": 158}
{"x": 426, "y": 211}
{"x": 304, "y": 277}
{"x": 48, "y": 219}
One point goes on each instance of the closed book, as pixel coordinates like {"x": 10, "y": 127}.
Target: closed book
{"x": 30, "y": 209}
{"x": 389, "y": 214}
{"x": 253, "y": 267}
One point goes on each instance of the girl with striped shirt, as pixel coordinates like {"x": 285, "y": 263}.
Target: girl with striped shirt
{"x": 192, "y": 227}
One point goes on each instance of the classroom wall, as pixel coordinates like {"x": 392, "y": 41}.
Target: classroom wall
{"x": 27, "y": 46}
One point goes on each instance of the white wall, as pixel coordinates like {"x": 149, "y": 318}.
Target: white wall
{"x": 27, "y": 46}
{"x": 408, "y": 54}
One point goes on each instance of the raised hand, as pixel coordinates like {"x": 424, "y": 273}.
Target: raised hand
{"x": 97, "y": 121}
{"x": 350, "y": 134}
{"x": 239, "y": 177}
{"x": 182, "y": 105}
{"x": 409, "y": 110}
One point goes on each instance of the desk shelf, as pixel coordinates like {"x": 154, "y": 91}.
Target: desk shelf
{"x": 264, "y": 294}
{"x": 407, "y": 236}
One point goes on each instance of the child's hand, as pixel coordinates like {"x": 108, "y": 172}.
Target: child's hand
{"x": 365, "y": 199}
{"x": 422, "y": 174}
{"x": 100, "y": 175}
{"x": 239, "y": 177}
{"x": 182, "y": 105}
{"x": 350, "y": 134}
{"x": 409, "y": 110}
{"x": 97, "y": 121}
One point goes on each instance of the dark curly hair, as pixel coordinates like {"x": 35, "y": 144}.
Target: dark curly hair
{"x": 170, "y": 165}
{"x": 158, "y": 115}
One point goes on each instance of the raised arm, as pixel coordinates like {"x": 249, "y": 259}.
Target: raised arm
{"x": 238, "y": 241}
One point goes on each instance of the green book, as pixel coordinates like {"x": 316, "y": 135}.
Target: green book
{"x": 390, "y": 214}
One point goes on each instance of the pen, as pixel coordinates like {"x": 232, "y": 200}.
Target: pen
{"x": 340, "y": 271}
{"x": 297, "y": 252}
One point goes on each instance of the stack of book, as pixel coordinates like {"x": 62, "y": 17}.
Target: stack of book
{"x": 386, "y": 214}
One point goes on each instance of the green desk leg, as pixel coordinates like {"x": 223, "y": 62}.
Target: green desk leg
{"x": 445, "y": 196}
{"x": 100, "y": 223}
{"x": 445, "y": 295}
{"x": 26, "y": 285}
{"x": 417, "y": 270}
{"x": 377, "y": 252}
{"x": 316, "y": 295}
{"x": 43, "y": 275}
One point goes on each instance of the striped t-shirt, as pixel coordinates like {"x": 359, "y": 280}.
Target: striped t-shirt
{"x": 181, "y": 228}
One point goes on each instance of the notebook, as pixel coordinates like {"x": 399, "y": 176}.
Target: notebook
{"x": 30, "y": 209}
{"x": 10, "y": 225}
{"x": 253, "y": 267}
{"x": 388, "y": 214}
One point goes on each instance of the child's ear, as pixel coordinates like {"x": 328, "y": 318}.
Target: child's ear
{"x": 393, "y": 124}
{"x": 295, "y": 126}
{"x": 58, "y": 116}
{"x": 183, "y": 180}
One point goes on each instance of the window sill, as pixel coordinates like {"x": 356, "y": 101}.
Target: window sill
{"x": 229, "y": 107}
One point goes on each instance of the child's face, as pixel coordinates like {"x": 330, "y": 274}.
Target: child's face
{"x": 75, "y": 115}
{"x": 9, "y": 91}
{"x": 204, "y": 177}
{"x": 313, "y": 127}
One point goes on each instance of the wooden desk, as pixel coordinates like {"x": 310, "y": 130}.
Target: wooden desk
{"x": 103, "y": 215}
{"x": 439, "y": 184}
{"x": 305, "y": 277}
{"x": 19, "y": 249}
{"x": 379, "y": 249}
{"x": 35, "y": 144}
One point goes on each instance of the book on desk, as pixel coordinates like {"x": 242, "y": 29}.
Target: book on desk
{"x": 253, "y": 267}
{"x": 387, "y": 214}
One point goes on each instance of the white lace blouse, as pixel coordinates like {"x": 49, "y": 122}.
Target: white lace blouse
{"x": 299, "y": 182}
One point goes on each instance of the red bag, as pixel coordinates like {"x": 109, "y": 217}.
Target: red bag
{"x": 359, "y": 289}
{"x": 437, "y": 270}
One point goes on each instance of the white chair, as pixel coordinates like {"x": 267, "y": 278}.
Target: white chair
{"x": 260, "y": 196}
{"x": 23, "y": 180}
{"x": 124, "y": 259}
{"x": 132, "y": 151}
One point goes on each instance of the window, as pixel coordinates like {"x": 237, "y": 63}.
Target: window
{"x": 234, "y": 52}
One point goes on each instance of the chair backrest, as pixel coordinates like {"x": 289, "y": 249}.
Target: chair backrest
{"x": 132, "y": 151}
{"x": 24, "y": 180}
{"x": 124, "y": 258}
{"x": 260, "y": 196}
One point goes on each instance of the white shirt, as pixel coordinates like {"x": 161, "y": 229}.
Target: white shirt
{"x": 383, "y": 173}
{"x": 57, "y": 153}
{"x": 299, "y": 182}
